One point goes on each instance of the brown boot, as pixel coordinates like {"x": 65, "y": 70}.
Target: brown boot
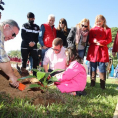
{"x": 102, "y": 80}
{"x": 102, "y": 84}
{"x": 93, "y": 78}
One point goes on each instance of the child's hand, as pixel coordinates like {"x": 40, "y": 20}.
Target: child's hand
{"x": 95, "y": 41}
{"x": 99, "y": 44}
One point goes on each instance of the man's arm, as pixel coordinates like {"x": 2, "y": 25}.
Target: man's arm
{"x": 41, "y": 33}
{"x": 45, "y": 68}
{"x": 5, "y": 65}
{"x": 46, "y": 61}
{"x": 6, "y": 68}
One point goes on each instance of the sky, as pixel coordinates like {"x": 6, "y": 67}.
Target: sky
{"x": 72, "y": 10}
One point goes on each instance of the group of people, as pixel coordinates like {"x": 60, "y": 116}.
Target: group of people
{"x": 61, "y": 48}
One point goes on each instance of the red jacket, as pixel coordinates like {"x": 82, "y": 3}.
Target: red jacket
{"x": 115, "y": 45}
{"x": 49, "y": 35}
{"x": 99, "y": 53}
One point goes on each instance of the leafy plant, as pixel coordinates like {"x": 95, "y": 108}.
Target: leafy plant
{"x": 42, "y": 78}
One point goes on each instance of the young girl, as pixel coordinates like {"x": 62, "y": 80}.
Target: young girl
{"x": 73, "y": 79}
{"x": 78, "y": 36}
{"x": 99, "y": 38}
{"x": 63, "y": 31}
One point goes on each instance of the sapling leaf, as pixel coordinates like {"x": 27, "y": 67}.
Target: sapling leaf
{"x": 53, "y": 79}
{"x": 44, "y": 83}
{"x": 57, "y": 70}
{"x": 34, "y": 86}
{"x": 40, "y": 75}
{"x": 47, "y": 74}
{"x": 30, "y": 76}
{"x": 42, "y": 69}
{"x": 41, "y": 87}
{"x": 36, "y": 70}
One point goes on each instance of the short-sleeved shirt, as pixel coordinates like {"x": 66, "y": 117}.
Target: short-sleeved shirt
{"x": 55, "y": 61}
{"x": 3, "y": 55}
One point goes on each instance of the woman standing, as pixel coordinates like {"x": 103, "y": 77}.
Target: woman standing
{"x": 63, "y": 31}
{"x": 78, "y": 37}
{"x": 99, "y": 38}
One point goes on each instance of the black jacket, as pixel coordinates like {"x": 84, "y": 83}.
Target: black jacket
{"x": 29, "y": 33}
{"x": 71, "y": 39}
{"x": 63, "y": 35}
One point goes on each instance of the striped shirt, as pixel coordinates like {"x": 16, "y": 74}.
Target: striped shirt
{"x": 3, "y": 55}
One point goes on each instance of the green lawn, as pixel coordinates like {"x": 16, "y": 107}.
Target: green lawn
{"x": 97, "y": 103}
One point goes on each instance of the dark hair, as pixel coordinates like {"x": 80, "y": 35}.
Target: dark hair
{"x": 30, "y": 15}
{"x": 72, "y": 55}
{"x": 57, "y": 41}
{"x": 65, "y": 25}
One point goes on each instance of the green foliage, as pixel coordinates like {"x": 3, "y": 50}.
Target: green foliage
{"x": 97, "y": 103}
{"x": 34, "y": 86}
{"x": 38, "y": 45}
{"x": 15, "y": 53}
{"x": 53, "y": 79}
{"x": 113, "y": 32}
{"x": 40, "y": 75}
{"x": 30, "y": 76}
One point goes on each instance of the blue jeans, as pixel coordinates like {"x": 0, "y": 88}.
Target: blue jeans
{"x": 101, "y": 66}
{"x": 81, "y": 53}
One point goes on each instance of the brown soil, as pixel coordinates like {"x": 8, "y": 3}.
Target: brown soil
{"x": 36, "y": 96}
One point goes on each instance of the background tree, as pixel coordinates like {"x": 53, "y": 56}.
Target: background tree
{"x": 15, "y": 53}
{"x": 110, "y": 46}
{"x": 113, "y": 31}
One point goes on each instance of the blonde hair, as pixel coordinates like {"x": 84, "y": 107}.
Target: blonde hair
{"x": 84, "y": 20}
{"x": 98, "y": 17}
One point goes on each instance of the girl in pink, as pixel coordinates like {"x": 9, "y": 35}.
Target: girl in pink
{"x": 73, "y": 79}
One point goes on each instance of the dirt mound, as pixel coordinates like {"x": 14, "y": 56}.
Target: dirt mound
{"x": 36, "y": 96}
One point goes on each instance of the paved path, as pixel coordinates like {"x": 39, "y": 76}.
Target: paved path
{"x": 116, "y": 112}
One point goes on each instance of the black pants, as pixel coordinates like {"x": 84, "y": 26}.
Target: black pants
{"x": 34, "y": 54}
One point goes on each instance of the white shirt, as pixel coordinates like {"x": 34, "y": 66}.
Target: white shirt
{"x": 55, "y": 61}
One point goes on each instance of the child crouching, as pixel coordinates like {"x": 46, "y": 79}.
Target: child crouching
{"x": 73, "y": 79}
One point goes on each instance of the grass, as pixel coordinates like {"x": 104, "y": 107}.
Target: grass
{"x": 97, "y": 103}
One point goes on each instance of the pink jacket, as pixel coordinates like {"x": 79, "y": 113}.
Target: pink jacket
{"x": 72, "y": 79}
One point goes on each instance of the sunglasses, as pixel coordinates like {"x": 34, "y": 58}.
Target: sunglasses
{"x": 61, "y": 22}
{"x": 56, "y": 50}
{"x": 13, "y": 35}
{"x": 84, "y": 26}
